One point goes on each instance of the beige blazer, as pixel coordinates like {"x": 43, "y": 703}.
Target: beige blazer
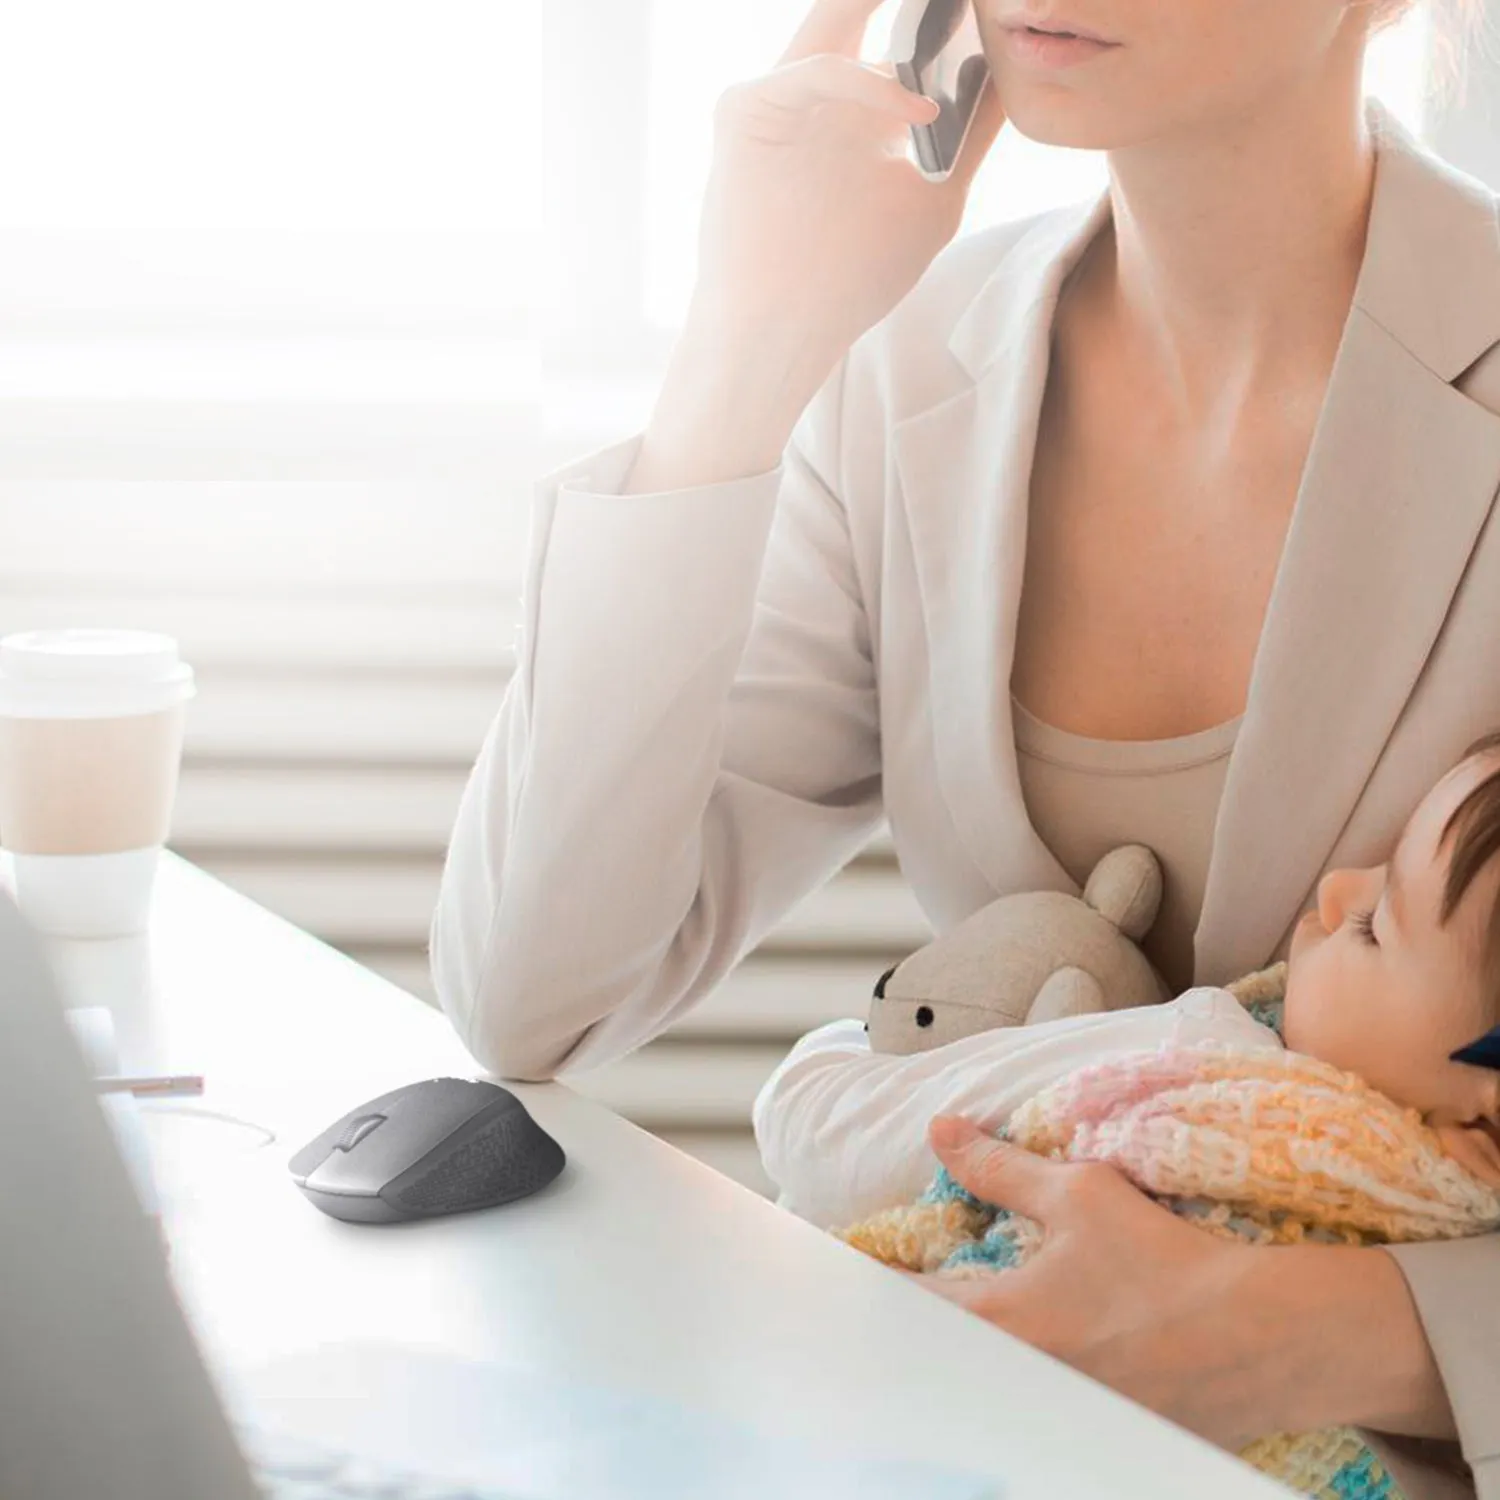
{"x": 721, "y": 691}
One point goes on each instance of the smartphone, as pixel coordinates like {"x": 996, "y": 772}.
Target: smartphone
{"x": 936, "y": 51}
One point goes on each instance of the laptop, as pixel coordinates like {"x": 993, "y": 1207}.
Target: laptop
{"x": 104, "y": 1391}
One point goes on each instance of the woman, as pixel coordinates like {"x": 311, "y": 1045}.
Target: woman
{"x": 1010, "y": 544}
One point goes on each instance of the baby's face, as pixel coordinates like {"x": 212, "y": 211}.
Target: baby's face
{"x": 1376, "y": 986}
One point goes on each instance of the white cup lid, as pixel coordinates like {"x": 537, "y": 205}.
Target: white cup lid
{"x": 90, "y": 673}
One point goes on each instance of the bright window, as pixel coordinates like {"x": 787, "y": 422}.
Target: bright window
{"x": 192, "y": 167}
{"x": 229, "y": 180}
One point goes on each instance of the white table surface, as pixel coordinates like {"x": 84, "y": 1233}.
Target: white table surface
{"x": 639, "y": 1267}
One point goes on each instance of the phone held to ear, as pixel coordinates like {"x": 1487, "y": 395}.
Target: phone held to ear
{"x": 936, "y": 51}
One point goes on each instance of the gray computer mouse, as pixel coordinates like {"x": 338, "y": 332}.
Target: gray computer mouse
{"x": 443, "y": 1146}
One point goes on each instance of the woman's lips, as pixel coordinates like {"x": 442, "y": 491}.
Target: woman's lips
{"x": 1045, "y": 50}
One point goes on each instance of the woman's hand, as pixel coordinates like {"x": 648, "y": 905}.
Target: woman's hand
{"x": 815, "y": 222}
{"x": 1230, "y": 1341}
{"x": 815, "y": 225}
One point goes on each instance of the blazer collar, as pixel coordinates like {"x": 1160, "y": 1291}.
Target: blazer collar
{"x": 1369, "y": 567}
{"x": 1423, "y": 212}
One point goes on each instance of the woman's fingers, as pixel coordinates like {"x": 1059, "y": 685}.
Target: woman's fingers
{"x": 997, "y": 1171}
{"x": 831, "y": 26}
{"x": 829, "y": 79}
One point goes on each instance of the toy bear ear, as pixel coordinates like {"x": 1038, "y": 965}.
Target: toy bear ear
{"x": 1484, "y": 1053}
{"x": 1125, "y": 889}
{"x": 881, "y": 982}
{"x": 1068, "y": 992}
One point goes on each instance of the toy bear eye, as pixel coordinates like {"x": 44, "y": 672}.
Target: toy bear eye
{"x": 924, "y": 1015}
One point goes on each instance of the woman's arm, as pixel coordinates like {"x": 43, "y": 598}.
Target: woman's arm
{"x": 1348, "y": 1341}
{"x": 1231, "y": 1340}
{"x": 1454, "y": 1290}
{"x": 689, "y": 745}
{"x": 842, "y": 1131}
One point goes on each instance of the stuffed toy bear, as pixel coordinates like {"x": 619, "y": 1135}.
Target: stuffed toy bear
{"x": 1035, "y": 956}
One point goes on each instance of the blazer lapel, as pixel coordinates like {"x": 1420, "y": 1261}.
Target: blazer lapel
{"x": 1401, "y": 475}
{"x": 965, "y": 469}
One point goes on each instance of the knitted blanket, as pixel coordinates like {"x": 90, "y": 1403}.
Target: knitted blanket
{"x": 1275, "y": 1148}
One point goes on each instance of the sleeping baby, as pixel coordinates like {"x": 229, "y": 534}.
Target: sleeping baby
{"x": 1395, "y": 968}
{"x": 1350, "y": 1095}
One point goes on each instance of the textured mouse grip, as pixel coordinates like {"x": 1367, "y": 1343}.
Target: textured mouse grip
{"x": 507, "y": 1158}
{"x": 356, "y": 1130}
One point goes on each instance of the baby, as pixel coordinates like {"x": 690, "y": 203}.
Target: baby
{"x": 1395, "y": 970}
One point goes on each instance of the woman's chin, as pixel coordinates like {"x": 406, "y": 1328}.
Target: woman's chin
{"x": 1052, "y": 117}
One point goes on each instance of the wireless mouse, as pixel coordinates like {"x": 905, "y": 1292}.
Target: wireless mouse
{"x": 444, "y": 1146}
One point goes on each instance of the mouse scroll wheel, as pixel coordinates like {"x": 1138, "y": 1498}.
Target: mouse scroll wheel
{"x": 356, "y": 1130}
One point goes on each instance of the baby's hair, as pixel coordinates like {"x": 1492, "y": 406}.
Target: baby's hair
{"x": 1477, "y": 821}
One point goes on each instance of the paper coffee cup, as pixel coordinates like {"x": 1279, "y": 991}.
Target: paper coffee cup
{"x": 91, "y": 725}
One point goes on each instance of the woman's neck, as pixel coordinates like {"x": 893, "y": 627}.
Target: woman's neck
{"x": 1232, "y": 252}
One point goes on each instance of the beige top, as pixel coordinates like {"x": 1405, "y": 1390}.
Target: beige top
{"x": 1073, "y": 793}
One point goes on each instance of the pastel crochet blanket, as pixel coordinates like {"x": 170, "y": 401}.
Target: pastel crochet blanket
{"x": 1275, "y": 1148}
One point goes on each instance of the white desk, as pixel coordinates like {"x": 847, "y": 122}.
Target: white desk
{"x": 639, "y": 1266}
